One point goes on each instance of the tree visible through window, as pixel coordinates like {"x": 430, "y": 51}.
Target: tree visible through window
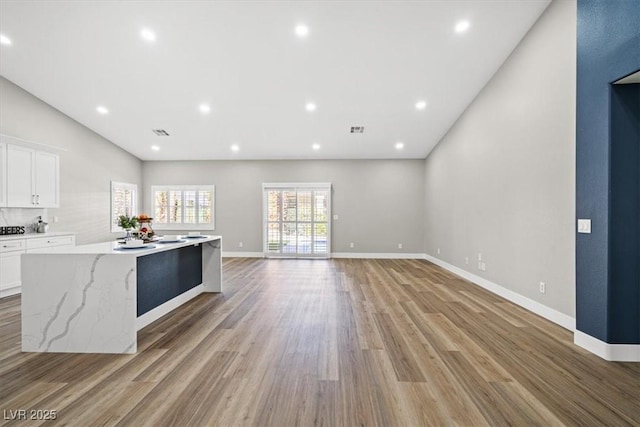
{"x": 297, "y": 219}
{"x": 183, "y": 206}
{"x": 124, "y": 198}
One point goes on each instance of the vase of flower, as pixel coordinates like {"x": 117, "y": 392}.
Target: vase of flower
{"x": 127, "y": 224}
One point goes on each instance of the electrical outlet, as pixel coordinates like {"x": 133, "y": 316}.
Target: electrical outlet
{"x": 399, "y": 245}
{"x": 55, "y": 219}
{"x": 482, "y": 266}
{"x": 479, "y": 256}
{"x": 335, "y": 217}
{"x": 240, "y": 245}
{"x": 543, "y": 288}
{"x": 466, "y": 260}
{"x": 438, "y": 251}
{"x": 351, "y": 245}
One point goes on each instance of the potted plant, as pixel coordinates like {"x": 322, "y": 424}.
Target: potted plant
{"x": 127, "y": 224}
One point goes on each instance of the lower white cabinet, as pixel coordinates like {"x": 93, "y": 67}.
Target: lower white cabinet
{"x": 10, "y": 257}
{"x": 10, "y": 252}
{"x": 43, "y": 244}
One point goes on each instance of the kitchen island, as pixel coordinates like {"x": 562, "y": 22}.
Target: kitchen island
{"x": 94, "y": 298}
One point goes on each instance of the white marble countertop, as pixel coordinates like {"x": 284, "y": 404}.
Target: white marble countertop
{"x": 35, "y": 235}
{"x": 116, "y": 248}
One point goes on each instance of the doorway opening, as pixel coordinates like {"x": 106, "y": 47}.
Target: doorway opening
{"x": 297, "y": 220}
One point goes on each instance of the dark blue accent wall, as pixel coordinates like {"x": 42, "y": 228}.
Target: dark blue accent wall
{"x": 165, "y": 275}
{"x": 624, "y": 207}
{"x": 607, "y": 187}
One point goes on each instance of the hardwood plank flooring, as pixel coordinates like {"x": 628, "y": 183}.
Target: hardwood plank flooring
{"x": 329, "y": 343}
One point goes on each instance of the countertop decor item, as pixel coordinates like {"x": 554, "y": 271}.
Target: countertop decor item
{"x": 12, "y": 229}
{"x": 145, "y": 231}
{"x": 127, "y": 224}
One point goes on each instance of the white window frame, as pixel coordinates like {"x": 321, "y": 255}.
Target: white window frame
{"x": 133, "y": 210}
{"x": 295, "y": 186}
{"x": 201, "y": 187}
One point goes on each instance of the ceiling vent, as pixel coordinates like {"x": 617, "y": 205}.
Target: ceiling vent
{"x": 357, "y": 129}
{"x": 160, "y": 132}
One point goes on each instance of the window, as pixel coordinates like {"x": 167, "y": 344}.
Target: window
{"x": 124, "y": 198}
{"x": 182, "y": 207}
{"x": 297, "y": 220}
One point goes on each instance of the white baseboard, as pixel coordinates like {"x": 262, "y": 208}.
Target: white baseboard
{"x": 226, "y": 254}
{"x": 10, "y": 291}
{"x": 374, "y": 255}
{"x": 153, "y": 315}
{"x": 362, "y": 255}
{"x": 555, "y": 316}
{"x": 611, "y": 352}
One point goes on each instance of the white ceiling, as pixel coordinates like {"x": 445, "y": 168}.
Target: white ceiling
{"x": 364, "y": 63}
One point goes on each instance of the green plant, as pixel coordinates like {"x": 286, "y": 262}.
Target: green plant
{"x": 126, "y": 222}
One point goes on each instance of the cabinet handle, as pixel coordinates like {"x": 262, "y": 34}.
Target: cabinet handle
{"x": 37, "y": 199}
{"x": 33, "y": 199}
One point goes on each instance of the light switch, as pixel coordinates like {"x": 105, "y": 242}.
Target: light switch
{"x": 335, "y": 217}
{"x": 584, "y": 226}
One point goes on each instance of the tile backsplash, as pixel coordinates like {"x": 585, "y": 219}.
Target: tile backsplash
{"x": 19, "y": 216}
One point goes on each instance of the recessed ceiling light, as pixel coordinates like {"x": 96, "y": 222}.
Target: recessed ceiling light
{"x": 235, "y": 148}
{"x": 302, "y": 30}
{"x": 399, "y": 145}
{"x": 155, "y": 148}
{"x": 316, "y": 147}
{"x": 421, "y": 105}
{"x": 204, "y": 109}
{"x": 102, "y": 110}
{"x": 148, "y": 35}
{"x": 5, "y": 40}
{"x": 310, "y": 106}
{"x": 462, "y": 26}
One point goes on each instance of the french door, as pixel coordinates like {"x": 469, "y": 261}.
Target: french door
{"x": 297, "y": 220}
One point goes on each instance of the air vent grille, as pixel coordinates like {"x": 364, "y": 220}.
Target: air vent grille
{"x": 160, "y": 132}
{"x": 357, "y": 129}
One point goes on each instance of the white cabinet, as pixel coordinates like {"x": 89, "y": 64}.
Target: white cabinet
{"x": 45, "y": 244}
{"x": 3, "y": 175}
{"x": 10, "y": 257}
{"x": 10, "y": 252}
{"x": 20, "y": 184}
{"x": 32, "y": 178}
{"x": 47, "y": 180}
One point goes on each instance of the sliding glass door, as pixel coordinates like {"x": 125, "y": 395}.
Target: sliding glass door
{"x": 297, "y": 220}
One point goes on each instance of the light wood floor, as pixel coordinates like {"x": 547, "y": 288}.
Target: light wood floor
{"x": 336, "y": 343}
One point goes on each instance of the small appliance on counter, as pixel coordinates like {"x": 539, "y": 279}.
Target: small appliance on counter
{"x": 40, "y": 226}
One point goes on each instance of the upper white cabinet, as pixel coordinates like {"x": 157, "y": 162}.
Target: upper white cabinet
{"x": 47, "y": 179}
{"x": 33, "y": 178}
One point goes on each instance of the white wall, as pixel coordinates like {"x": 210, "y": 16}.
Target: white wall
{"x": 379, "y": 202}
{"x": 87, "y": 166}
{"x": 501, "y": 182}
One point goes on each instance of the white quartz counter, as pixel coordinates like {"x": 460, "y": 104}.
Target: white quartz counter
{"x": 87, "y": 299}
{"x": 120, "y": 249}
{"x": 35, "y": 235}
